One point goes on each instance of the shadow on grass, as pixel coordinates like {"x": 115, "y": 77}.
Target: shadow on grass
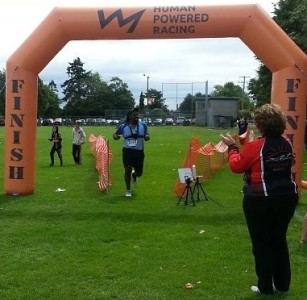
{"x": 164, "y": 217}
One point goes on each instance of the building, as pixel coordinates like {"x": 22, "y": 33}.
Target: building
{"x": 216, "y": 112}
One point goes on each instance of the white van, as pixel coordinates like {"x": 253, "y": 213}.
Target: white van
{"x": 180, "y": 120}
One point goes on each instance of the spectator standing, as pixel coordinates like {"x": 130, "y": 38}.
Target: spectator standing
{"x": 78, "y": 139}
{"x": 242, "y": 126}
{"x": 270, "y": 196}
{"x": 56, "y": 141}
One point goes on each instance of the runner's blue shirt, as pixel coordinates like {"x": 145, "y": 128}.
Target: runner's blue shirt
{"x": 133, "y": 137}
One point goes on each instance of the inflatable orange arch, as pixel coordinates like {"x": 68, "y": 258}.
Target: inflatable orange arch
{"x": 250, "y": 23}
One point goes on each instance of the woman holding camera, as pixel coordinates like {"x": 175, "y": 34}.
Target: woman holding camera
{"x": 270, "y": 196}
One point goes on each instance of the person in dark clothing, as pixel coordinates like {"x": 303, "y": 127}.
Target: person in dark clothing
{"x": 56, "y": 141}
{"x": 134, "y": 133}
{"x": 242, "y": 126}
{"x": 270, "y": 196}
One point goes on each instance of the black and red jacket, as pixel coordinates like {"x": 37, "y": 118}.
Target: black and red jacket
{"x": 266, "y": 164}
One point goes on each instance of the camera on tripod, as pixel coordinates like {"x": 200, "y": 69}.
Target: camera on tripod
{"x": 188, "y": 179}
{"x": 187, "y": 176}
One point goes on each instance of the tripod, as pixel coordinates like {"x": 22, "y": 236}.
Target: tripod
{"x": 199, "y": 188}
{"x": 187, "y": 191}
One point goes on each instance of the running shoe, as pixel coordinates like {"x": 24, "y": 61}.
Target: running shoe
{"x": 128, "y": 193}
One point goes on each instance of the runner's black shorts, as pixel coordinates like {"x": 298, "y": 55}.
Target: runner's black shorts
{"x": 134, "y": 158}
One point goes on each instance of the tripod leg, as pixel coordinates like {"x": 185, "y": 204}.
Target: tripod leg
{"x": 198, "y": 184}
{"x": 187, "y": 195}
{"x": 199, "y": 187}
{"x": 204, "y": 193}
{"x": 189, "y": 192}
{"x": 192, "y": 198}
{"x": 193, "y": 190}
{"x": 196, "y": 187}
{"x": 185, "y": 190}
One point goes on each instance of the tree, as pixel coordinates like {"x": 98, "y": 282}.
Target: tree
{"x": 188, "y": 104}
{"x": 229, "y": 89}
{"x": 86, "y": 94}
{"x": 100, "y": 96}
{"x": 48, "y": 100}
{"x": 157, "y": 100}
{"x": 122, "y": 96}
{"x": 157, "y": 113}
{"x": 289, "y": 15}
{"x": 260, "y": 89}
{"x": 142, "y": 101}
{"x": 53, "y": 87}
{"x": 75, "y": 88}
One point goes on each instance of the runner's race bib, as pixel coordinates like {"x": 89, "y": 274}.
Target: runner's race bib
{"x": 131, "y": 142}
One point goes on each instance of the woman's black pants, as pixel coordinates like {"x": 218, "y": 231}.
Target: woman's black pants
{"x": 267, "y": 220}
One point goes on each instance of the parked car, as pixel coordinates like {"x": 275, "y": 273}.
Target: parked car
{"x": 186, "y": 122}
{"x": 47, "y": 122}
{"x": 100, "y": 121}
{"x": 147, "y": 121}
{"x": 67, "y": 122}
{"x": 58, "y": 121}
{"x": 180, "y": 120}
{"x": 193, "y": 121}
{"x": 90, "y": 121}
{"x": 158, "y": 122}
{"x": 169, "y": 121}
{"x": 81, "y": 121}
{"x": 112, "y": 122}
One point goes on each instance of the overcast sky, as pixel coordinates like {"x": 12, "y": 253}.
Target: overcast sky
{"x": 179, "y": 66}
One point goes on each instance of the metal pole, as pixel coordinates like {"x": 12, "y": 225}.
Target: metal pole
{"x": 192, "y": 101}
{"x": 147, "y": 87}
{"x": 243, "y": 90}
{"x": 176, "y": 96}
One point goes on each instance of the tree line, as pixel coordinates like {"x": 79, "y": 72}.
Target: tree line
{"x": 290, "y": 15}
{"x": 85, "y": 93}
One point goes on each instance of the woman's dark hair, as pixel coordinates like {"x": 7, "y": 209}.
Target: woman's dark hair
{"x": 270, "y": 120}
{"x": 56, "y": 127}
{"x": 129, "y": 113}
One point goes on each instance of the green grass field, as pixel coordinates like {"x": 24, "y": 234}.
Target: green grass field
{"x": 86, "y": 244}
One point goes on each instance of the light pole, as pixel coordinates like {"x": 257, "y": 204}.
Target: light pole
{"x": 147, "y": 86}
{"x": 192, "y": 100}
{"x": 243, "y": 90}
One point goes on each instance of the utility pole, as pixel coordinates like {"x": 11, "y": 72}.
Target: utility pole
{"x": 147, "y": 87}
{"x": 243, "y": 90}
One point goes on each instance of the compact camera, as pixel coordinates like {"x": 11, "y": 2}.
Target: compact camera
{"x": 188, "y": 180}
